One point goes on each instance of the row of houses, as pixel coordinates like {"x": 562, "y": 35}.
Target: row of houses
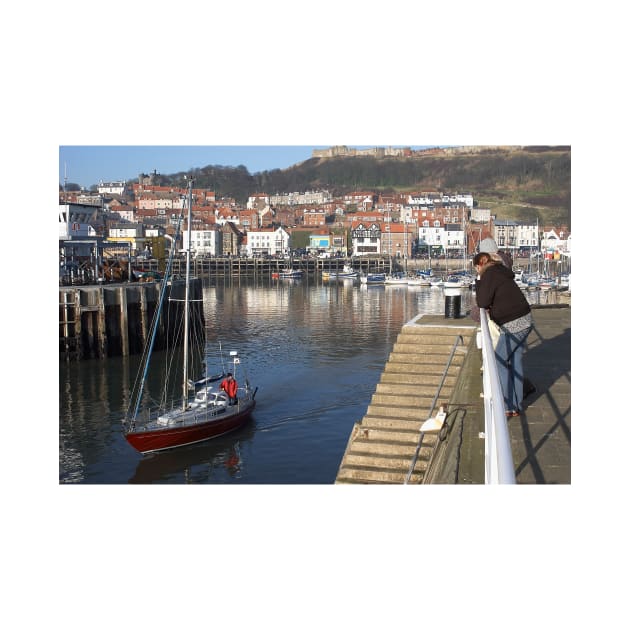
{"x": 79, "y": 225}
{"x": 143, "y": 217}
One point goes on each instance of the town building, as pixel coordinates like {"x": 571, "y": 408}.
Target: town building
{"x": 206, "y": 242}
{"x": 111, "y": 188}
{"x": 314, "y": 217}
{"x": 268, "y": 242}
{"x": 232, "y": 240}
{"x": 366, "y": 238}
{"x": 515, "y": 235}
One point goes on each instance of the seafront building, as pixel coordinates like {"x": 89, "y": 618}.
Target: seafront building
{"x": 358, "y": 223}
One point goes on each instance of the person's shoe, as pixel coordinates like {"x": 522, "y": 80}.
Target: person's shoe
{"x": 528, "y": 388}
{"x": 512, "y": 414}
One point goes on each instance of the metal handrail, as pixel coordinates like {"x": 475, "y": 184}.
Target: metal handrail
{"x": 460, "y": 339}
{"x": 498, "y": 450}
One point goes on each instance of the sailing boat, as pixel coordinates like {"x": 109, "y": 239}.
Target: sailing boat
{"x": 204, "y": 411}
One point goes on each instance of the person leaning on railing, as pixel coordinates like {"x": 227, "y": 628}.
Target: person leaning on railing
{"x": 499, "y": 294}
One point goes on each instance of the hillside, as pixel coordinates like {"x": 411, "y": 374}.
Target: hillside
{"x": 523, "y": 184}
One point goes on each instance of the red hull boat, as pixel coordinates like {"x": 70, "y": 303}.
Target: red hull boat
{"x": 204, "y": 410}
{"x": 153, "y": 437}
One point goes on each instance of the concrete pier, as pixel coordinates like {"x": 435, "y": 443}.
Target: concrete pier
{"x": 541, "y": 436}
{"x": 381, "y": 445}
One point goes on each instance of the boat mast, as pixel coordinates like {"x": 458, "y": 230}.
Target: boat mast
{"x": 187, "y": 297}
{"x": 465, "y": 260}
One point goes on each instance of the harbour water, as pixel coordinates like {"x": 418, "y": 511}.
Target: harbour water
{"x": 315, "y": 350}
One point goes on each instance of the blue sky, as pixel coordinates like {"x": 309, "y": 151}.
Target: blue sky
{"x": 87, "y": 165}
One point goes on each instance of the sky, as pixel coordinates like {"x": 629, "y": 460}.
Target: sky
{"x": 87, "y": 165}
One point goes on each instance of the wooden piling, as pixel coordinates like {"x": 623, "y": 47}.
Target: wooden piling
{"x": 124, "y": 321}
{"x": 144, "y": 321}
{"x": 101, "y": 325}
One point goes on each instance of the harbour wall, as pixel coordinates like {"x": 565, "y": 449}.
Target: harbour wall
{"x": 99, "y": 321}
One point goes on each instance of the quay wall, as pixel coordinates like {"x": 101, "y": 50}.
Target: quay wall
{"x": 265, "y": 267}
{"x": 99, "y": 321}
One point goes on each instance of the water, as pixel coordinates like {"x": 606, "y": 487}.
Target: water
{"x": 315, "y": 350}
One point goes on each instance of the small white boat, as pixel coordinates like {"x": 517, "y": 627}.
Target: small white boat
{"x": 436, "y": 281}
{"x": 397, "y": 279}
{"x": 346, "y": 272}
{"x": 417, "y": 281}
{"x": 453, "y": 282}
{"x": 288, "y": 273}
{"x": 424, "y": 280}
{"x": 564, "y": 283}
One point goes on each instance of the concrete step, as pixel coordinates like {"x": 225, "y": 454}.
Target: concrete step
{"x": 379, "y": 431}
{"x": 421, "y": 390}
{"x": 418, "y": 370}
{"x": 400, "y": 375}
{"x": 439, "y": 331}
{"x": 404, "y": 401}
{"x": 382, "y": 443}
{"x": 370, "y": 475}
{"x": 422, "y": 358}
{"x": 405, "y": 347}
{"x": 389, "y": 464}
{"x": 414, "y": 412}
{"x": 383, "y": 449}
{"x": 393, "y": 422}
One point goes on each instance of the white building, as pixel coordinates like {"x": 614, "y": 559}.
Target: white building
{"x": 480, "y": 215}
{"x": 77, "y": 221}
{"x": 366, "y": 239}
{"x": 256, "y": 201}
{"x": 295, "y": 198}
{"x": 111, "y": 188}
{"x": 453, "y": 236}
{"x": 268, "y": 242}
{"x": 134, "y": 231}
{"x": 431, "y": 234}
{"x": 555, "y": 242}
{"x": 431, "y": 199}
{"x": 203, "y": 242}
{"x": 514, "y": 235}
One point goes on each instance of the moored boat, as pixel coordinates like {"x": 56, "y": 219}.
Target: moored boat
{"x": 453, "y": 282}
{"x": 346, "y": 272}
{"x": 204, "y": 410}
{"x": 417, "y": 281}
{"x": 397, "y": 279}
{"x": 373, "y": 278}
{"x": 287, "y": 273}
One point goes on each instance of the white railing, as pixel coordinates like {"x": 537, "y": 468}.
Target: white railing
{"x": 499, "y": 462}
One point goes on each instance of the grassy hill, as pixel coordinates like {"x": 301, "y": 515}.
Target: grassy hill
{"x": 521, "y": 184}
